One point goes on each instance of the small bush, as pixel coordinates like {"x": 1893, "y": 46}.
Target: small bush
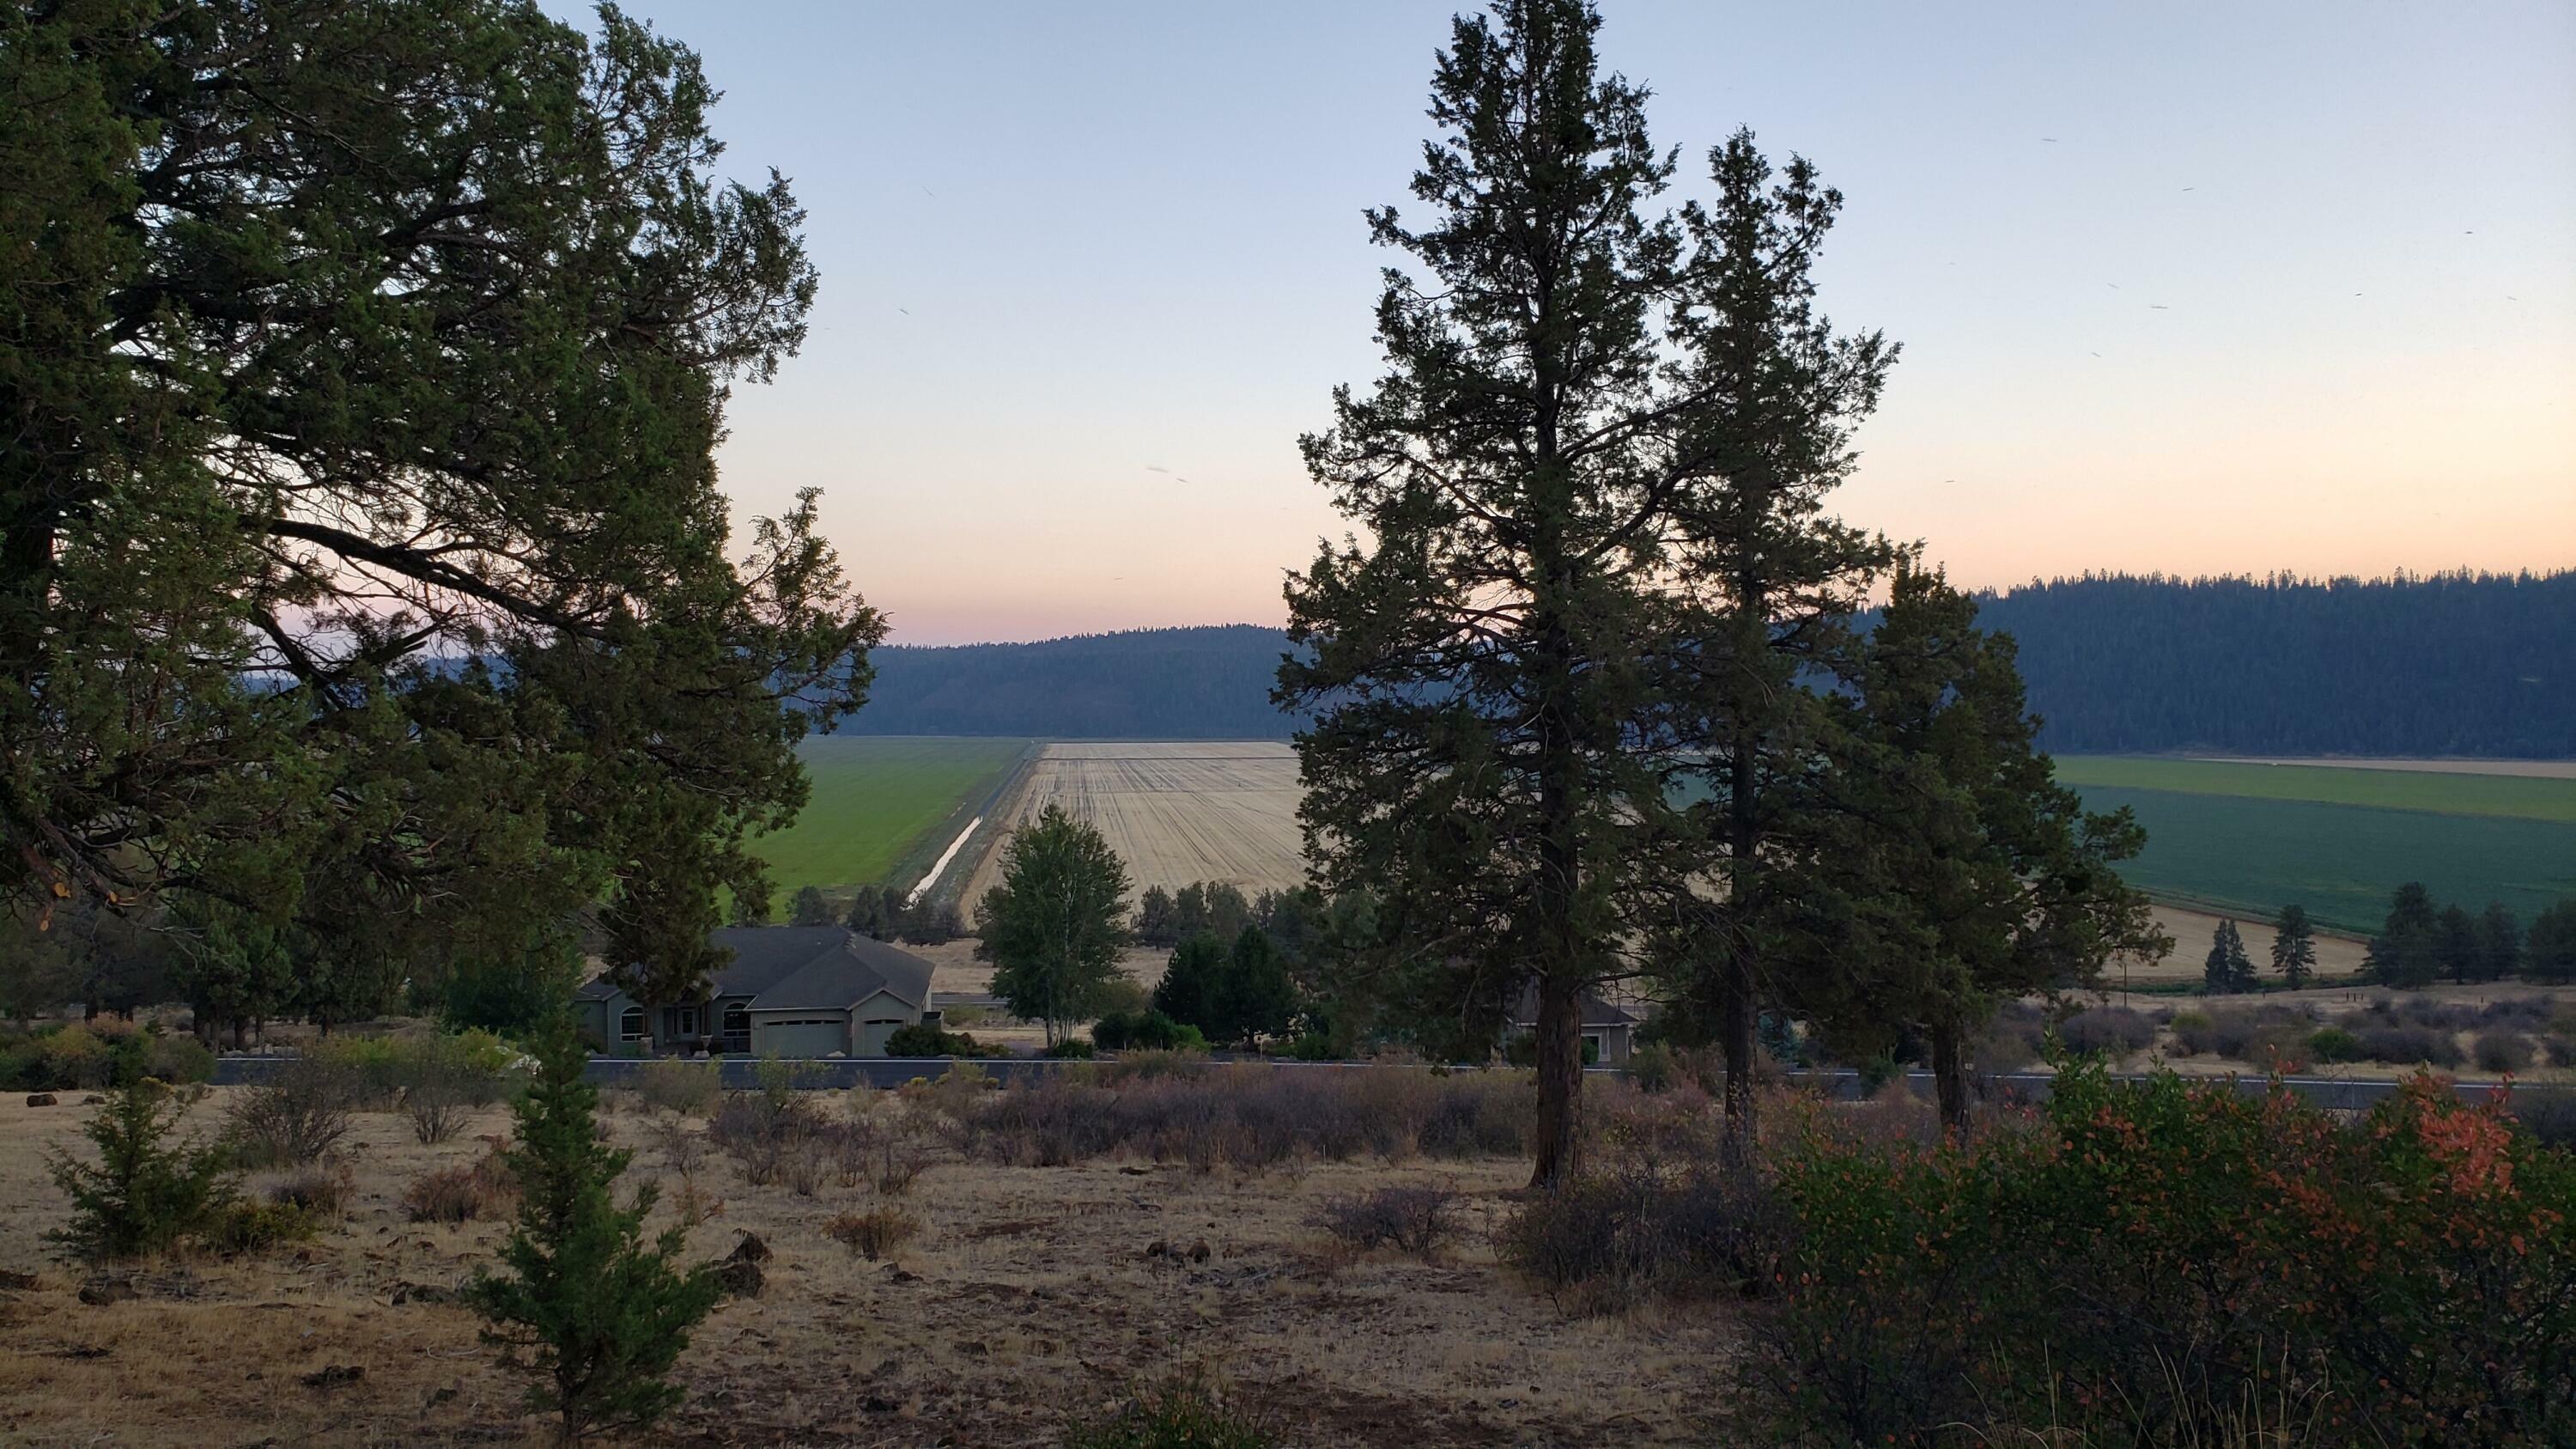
{"x": 73, "y": 1059}
{"x": 2334, "y": 1044}
{"x": 921, "y": 1039}
{"x": 1180, "y": 1416}
{"x": 176, "y": 1059}
{"x": 690, "y": 1089}
{"x": 321, "y": 1192}
{"x": 243, "y": 1228}
{"x": 1417, "y": 1220}
{"x": 481, "y": 1190}
{"x": 2409, "y": 1046}
{"x": 146, "y": 1192}
{"x": 295, "y": 1117}
{"x": 2117, "y": 1031}
{"x": 1072, "y": 1048}
{"x": 2502, "y": 1051}
{"x": 2548, "y": 1114}
{"x": 875, "y": 1233}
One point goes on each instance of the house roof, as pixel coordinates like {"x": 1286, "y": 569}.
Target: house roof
{"x": 1596, "y": 1012}
{"x": 804, "y": 968}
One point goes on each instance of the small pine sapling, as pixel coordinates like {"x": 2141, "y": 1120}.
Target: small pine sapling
{"x": 145, "y": 1192}
{"x": 591, "y": 1312}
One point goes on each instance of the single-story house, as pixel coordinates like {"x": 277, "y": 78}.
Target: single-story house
{"x": 1609, "y": 1032}
{"x": 797, "y": 991}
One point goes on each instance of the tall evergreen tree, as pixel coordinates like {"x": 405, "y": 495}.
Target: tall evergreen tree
{"x": 808, "y": 907}
{"x": 1543, "y": 473}
{"x": 1054, "y": 924}
{"x": 2549, "y": 953}
{"x": 589, "y": 1311}
{"x": 347, "y": 342}
{"x": 2455, "y": 944}
{"x": 1156, "y": 924}
{"x": 2499, "y": 943}
{"x": 2294, "y": 946}
{"x": 1952, "y": 871}
{"x": 2406, "y": 952}
{"x": 2227, "y": 969}
{"x": 1193, "y": 983}
{"x": 1258, "y": 999}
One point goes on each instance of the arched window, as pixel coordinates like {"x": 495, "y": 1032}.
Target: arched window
{"x": 737, "y": 1028}
{"x": 630, "y": 1024}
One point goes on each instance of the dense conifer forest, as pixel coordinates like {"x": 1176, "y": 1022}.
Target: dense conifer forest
{"x": 2443, "y": 664}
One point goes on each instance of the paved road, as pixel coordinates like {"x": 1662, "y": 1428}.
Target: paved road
{"x": 2343, "y": 1093}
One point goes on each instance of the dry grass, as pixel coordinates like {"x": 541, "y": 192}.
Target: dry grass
{"x": 1176, "y": 813}
{"x": 1029, "y": 1296}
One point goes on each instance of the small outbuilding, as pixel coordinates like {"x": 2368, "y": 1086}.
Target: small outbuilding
{"x": 796, "y": 991}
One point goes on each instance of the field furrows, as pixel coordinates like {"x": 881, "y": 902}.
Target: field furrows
{"x": 1176, "y": 813}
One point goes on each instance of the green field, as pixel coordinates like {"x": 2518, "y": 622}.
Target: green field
{"x": 2511, "y": 796}
{"x": 879, "y": 801}
{"x": 2253, "y": 838}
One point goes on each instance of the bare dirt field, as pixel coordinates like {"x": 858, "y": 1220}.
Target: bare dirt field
{"x": 1030, "y": 1298}
{"x": 2192, "y": 930}
{"x": 1176, "y": 813}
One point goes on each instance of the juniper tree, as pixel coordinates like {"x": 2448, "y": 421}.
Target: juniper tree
{"x": 2406, "y": 952}
{"x": 1547, "y": 474}
{"x": 2499, "y": 942}
{"x": 2294, "y": 946}
{"x": 361, "y": 556}
{"x": 590, "y": 1311}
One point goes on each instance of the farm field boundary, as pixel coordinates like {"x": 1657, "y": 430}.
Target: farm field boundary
{"x": 885, "y": 806}
{"x": 2440, "y": 792}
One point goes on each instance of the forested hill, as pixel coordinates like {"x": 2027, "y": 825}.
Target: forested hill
{"x": 2449, "y": 664}
{"x": 2446, "y": 664}
{"x": 1207, "y": 683}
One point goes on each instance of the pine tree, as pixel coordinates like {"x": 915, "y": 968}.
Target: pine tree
{"x": 2228, "y": 969}
{"x": 1257, "y": 999}
{"x": 2455, "y": 944}
{"x": 1951, "y": 870}
{"x": 2549, "y": 953}
{"x": 2294, "y": 946}
{"x": 145, "y": 1193}
{"x": 1155, "y": 923}
{"x": 2499, "y": 943}
{"x": 587, "y": 1309}
{"x": 2406, "y": 951}
{"x": 1054, "y": 924}
{"x": 1193, "y": 984}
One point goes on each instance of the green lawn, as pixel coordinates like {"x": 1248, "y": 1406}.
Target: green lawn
{"x": 2253, "y": 838}
{"x": 2511, "y": 796}
{"x": 878, "y": 799}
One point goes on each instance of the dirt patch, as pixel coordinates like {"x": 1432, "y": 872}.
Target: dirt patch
{"x": 1028, "y": 1297}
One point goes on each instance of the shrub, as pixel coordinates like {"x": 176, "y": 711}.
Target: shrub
{"x": 690, "y": 1089}
{"x": 875, "y": 1233}
{"x": 177, "y": 1059}
{"x": 320, "y": 1192}
{"x": 242, "y": 1228}
{"x": 1314, "y": 1046}
{"x": 2409, "y": 1046}
{"x": 146, "y": 1192}
{"x": 1179, "y": 1416}
{"x": 2548, "y": 1114}
{"x": 2193, "y": 1032}
{"x": 2152, "y": 1256}
{"x": 921, "y": 1039}
{"x": 2334, "y": 1044}
{"x": 72, "y": 1059}
{"x": 2117, "y": 1031}
{"x": 1417, "y": 1220}
{"x": 295, "y": 1117}
{"x": 481, "y": 1189}
{"x": 1072, "y": 1048}
{"x": 2502, "y": 1051}
{"x": 1148, "y": 1030}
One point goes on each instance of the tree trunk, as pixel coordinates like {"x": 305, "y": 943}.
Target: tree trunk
{"x": 1557, "y": 1142}
{"x": 1738, "y": 1010}
{"x": 1950, "y": 1075}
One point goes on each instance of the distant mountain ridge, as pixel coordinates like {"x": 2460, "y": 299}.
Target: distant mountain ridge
{"x": 2446, "y": 664}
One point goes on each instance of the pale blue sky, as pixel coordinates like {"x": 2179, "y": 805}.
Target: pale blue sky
{"x": 1064, "y": 244}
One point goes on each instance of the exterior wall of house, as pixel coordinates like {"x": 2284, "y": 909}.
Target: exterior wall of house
{"x": 876, "y": 1018}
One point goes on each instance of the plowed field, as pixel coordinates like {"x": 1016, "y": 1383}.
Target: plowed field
{"x": 1176, "y": 813}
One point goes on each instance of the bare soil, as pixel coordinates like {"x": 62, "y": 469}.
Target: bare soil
{"x": 1032, "y": 1296}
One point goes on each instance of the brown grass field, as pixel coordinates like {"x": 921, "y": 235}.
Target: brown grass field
{"x": 1028, "y": 1299}
{"x": 1176, "y": 813}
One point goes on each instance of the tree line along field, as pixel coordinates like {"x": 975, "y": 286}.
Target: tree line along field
{"x": 2249, "y": 838}
{"x": 880, "y": 801}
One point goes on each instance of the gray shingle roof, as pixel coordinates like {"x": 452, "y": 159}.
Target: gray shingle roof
{"x": 1596, "y": 1012}
{"x": 805, "y": 968}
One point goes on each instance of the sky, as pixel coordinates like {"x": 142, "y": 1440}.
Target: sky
{"x": 2182, "y": 287}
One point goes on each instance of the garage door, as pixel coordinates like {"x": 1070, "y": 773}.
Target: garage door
{"x": 808, "y": 1038}
{"x": 872, "y": 1037}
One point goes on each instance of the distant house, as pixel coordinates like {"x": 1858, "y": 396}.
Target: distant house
{"x": 1609, "y": 1032}
{"x": 797, "y": 991}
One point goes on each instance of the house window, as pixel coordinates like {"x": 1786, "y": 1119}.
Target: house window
{"x": 737, "y": 1021}
{"x": 683, "y": 1020}
{"x": 630, "y": 1024}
